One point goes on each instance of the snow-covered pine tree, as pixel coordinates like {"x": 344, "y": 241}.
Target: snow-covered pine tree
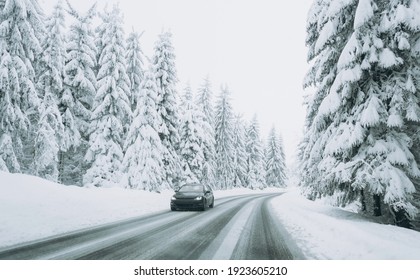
{"x": 205, "y": 105}
{"x": 166, "y": 76}
{"x": 225, "y": 172}
{"x": 76, "y": 102}
{"x": 134, "y": 58}
{"x": 193, "y": 138}
{"x": 275, "y": 161}
{"x": 327, "y": 33}
{"x": 241, "y": 156}
{"x": 104, "y": 17}
{"x": 49, "y": 136}
{"x": 255, "y": 160}
{"x": 112, "y": 112}
{"x": 21, "y": 31}
{"x": 143, "y": 161}
{"x": 204, "y": 100}
{"x": 362, "y": 118}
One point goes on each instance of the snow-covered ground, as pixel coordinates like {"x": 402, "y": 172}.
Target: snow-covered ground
{"x": 33, "y": 208}
{"x": 325, "y": 232}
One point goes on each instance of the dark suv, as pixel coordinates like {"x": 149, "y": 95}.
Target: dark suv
{"x": 192, "y": 196}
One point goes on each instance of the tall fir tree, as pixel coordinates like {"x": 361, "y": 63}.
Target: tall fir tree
{"x": 255, "y": 160}
{"x": 204, "y": 100}
{"x": 194, "y": 139}
{"x": 76, "y": 101}
{"x": 241, "y": 156}
{"x": 134, "y": 58}
{"x": 205, "y": 105}
{"x": 275, "y": 161}
{"x": 21, "y": 29}
{"x": 166, "y": 78}
{"x": 361, "y": 119}
{"x": 143, "y": 161}
{"x": 49, "y": 136}
{"x": 225, "y": 172}
{"x": 104, "y": 17}
{"x": 112, "y": 111}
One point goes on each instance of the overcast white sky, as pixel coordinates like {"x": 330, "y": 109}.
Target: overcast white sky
{"x": 257, "y": 47}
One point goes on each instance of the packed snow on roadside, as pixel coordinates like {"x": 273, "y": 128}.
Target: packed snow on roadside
{"x": 325, "y": 232}
{"x": 32, "y": 208}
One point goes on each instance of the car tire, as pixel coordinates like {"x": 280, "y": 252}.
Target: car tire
{"x": 173, "y": 209}
{"x": 212, "y": 204}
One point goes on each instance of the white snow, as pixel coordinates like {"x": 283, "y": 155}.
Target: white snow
{"x": 388, "y": 59}
{"x": 325, "y": 232}
{"x": 364, "y": 13}
{"x": 33, "y": 208}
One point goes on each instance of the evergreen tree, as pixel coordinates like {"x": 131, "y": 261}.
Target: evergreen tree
{"x": 204, "y": 100}
{"x": 193, "y": 138}
{"x": 112, "y": 110}
{"x": 49, "y": 137}
{"x": 362, "y": 117}
{"x": 21, "y": 29}
{"x": 275, "y": 161}
{"x": 321, "y": 75}
{"x": 143, "y": 161}
{"x": 100, "y": 30}
{"x": 225, "y": 172}
{"x": 76, "y": 101}
{"x": 166, "y": 76}
{"x": 255, "y": 160}
{"x": 134, "y": 66}
{"x": 204, "y": 103}
{"x": 241, "y": 156}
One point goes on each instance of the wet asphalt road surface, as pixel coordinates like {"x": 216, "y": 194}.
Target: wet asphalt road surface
{"x": 239, "y": 227}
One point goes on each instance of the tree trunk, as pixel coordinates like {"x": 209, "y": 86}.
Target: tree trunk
{"x": 60, "y": 166}
{"x": 377, "y": 205}
{"x": 363, "y": 200}
{"x": 401, "y": 219}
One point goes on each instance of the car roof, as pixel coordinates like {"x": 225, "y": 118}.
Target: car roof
{"x": 193, "y": 184}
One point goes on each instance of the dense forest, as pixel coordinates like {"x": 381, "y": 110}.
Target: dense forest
{"x": 83, "y": 105}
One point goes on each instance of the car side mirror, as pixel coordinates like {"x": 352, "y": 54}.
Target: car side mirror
{"x": 208, "y": 192}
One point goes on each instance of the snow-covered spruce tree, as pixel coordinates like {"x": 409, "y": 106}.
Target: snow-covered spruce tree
{"x": 205, "y": 105}
{"x": 240, "y": 156}
{"x": 76, "y": 101}
{"x": 225, "y": 172}
{"x": 327, "y": 33}
{"x": 204, "y": 100}
{"x": 143, "y": 161}
{"x": 134, "y": 67}
{"x": 112, "y": 112}
{"x": 21, "y": 31}
{"x": 361, "y": 119}
{"x": 194, "y": 139}
{"x": 255, "y": 161}
{"x": 275, "y": 161}
{"x": 104, "y": 17}
{"x": 166, "y": 78}
{"x": 49, "y": 136}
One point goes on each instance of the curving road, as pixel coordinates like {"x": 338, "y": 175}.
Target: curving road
{"x": 236, "y": 228}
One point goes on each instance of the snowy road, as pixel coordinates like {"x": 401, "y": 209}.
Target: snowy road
{"x": 237, "y": 228}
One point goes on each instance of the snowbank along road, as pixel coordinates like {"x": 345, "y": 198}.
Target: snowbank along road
{"x": 240, "y": 227}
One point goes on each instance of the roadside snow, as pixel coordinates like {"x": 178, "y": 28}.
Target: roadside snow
{"x": 32, "y": 208}
{"x": 324, "y": 232}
